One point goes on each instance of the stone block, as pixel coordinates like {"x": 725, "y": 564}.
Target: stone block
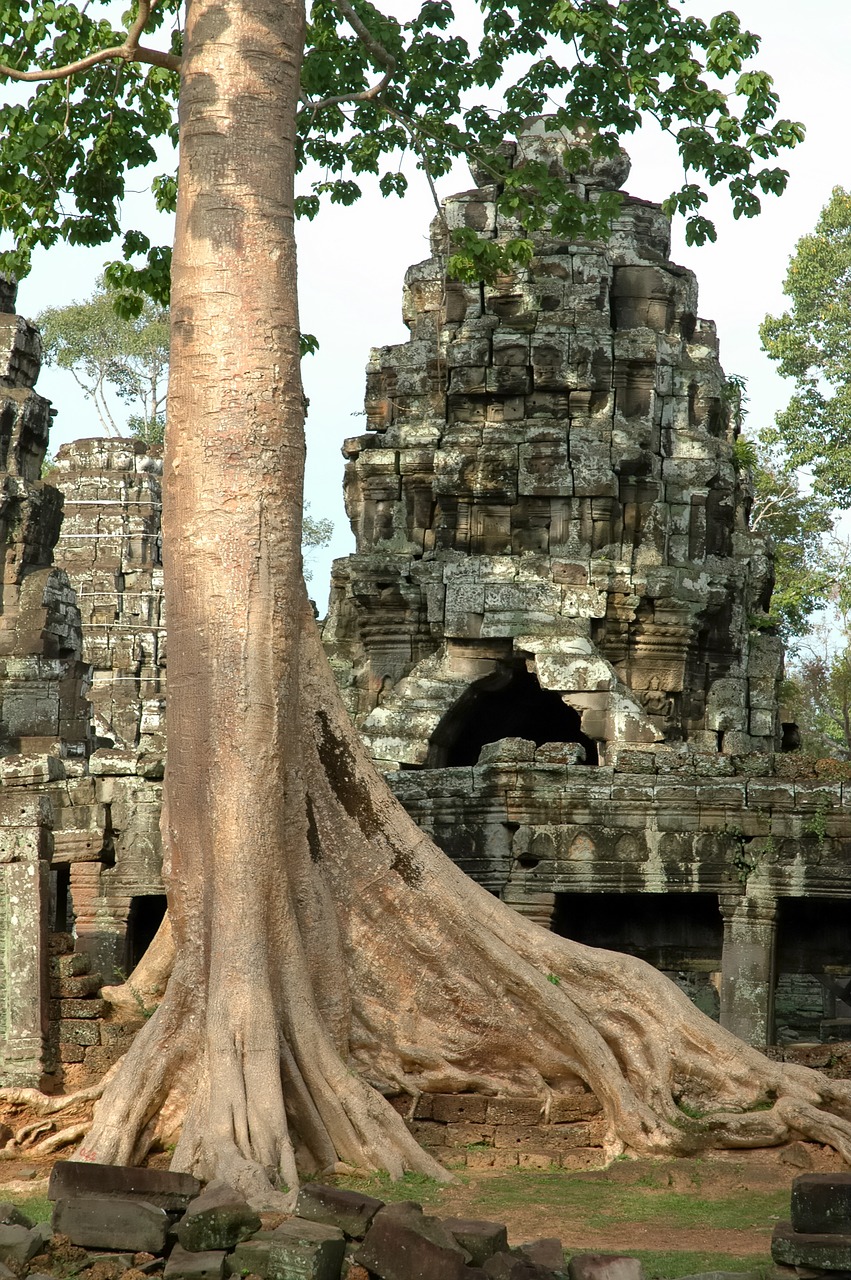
{"x": 810, "y": 1249}
{"x": 454, "y": 1107}
{"x": 296, "y": 1250}
{"x": 604, "y": 1266}
{"x": 546, "y": 1252}
{"x": 184, "y": 1265}
{"x": 514, "y": 1110}
{"x": 821, "y": 1203}
{"x": 406, "y": 1245}
{"x": 508, "y": 1266}
{"x": 507, "y": 750}
{"x": 19, "y": 1243}
{"x": 481, "y": 1239}
{"x": 111, "y": 1222}
{"x": 218, "y": 1218}
{"x": 350, "y": 1211}
{"x": 170, "y": 1191}
{"x": 492, "y": 1159}
{"x": 11, "y": 1216}
{"x": 74, "y": 1009}
{"x": 79, "y": 1032}
{"x": 568, "y": 1107}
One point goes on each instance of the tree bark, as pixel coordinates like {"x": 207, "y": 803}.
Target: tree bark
{"x": 325, "y": 951}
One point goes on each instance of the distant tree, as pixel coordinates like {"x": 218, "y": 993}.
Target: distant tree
{"x": 314, "y": 534}
{"x": 810, "y": 344}
{"x": 808, "y": 562}
{"x": 106, "y": 351}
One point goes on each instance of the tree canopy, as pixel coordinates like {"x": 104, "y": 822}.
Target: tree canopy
{"x": 809, "y": 343}
{"x": 373, "y": 88}
{"x": 103, "y": 350}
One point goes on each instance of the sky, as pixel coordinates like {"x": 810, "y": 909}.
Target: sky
{"x": 352, "y": 261}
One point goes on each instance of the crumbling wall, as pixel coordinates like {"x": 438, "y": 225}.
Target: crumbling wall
{"x": 547, "y": 505}
{"x": 548, "y": 477}
{"x": 79, "y": 830}
{"x": 110, "y": 547}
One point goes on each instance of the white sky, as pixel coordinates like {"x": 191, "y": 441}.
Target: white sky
{"x": 351, "y": 261}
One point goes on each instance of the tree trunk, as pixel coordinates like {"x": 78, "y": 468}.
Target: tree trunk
{"x": 325, "y": 949}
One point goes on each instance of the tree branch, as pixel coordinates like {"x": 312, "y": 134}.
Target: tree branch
{"x": 373, "y": 47}
{"x": 129, "y": 51}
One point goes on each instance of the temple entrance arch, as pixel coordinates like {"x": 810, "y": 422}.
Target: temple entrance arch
{"x": 508, "y": 703}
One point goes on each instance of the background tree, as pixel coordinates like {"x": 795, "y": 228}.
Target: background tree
{"x": 324, "y": 951}
{"x": 103, "y": 348}
{"x": 809, "y": 564}
{"x": 810, "y": 344}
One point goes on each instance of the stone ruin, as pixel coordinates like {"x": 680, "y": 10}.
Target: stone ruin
{"x": 553, "y": 636}
{"x": 81, "y": 747}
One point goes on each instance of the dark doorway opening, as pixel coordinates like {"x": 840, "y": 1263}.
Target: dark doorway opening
{"x": 812, "y": 999}
{"x": 681, "y": 934}
{"x": 61, "y": 916}
{"x": 508, "y": 704}
{"x": 145, "y": 917}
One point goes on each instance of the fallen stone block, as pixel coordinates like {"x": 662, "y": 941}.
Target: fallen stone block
{"x": 810, "y": 1249}
{"x": 546, "y": 1252}
{"x": 481, "y": 1239}
{"x": 604, "y": 1266}
{"x": 401, "y": 1246}
{"x": 11, "y": 1215}
{"x": 821, "y": 1203}
{"x": 429, "y": 1227}
{"x": 350, "y": 1211}
{"x": 170, "y": 1191}
{"x": 296, "y": 1250}
{"x": 217, "y": 1219}
{"x": 18, "y": 1243}
{"x": 510, "y": 1266}
{"x": 111, "y": 1222}
{"x": 184, "y": 1265}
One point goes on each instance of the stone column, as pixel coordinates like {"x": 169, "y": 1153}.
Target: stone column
{"x": 748, "y": 967}
{"x": 25, "y": 818}
{"x": 100, "y": 920}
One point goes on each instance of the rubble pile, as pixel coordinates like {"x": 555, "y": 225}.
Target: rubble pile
{"x": 112, "y": 1222}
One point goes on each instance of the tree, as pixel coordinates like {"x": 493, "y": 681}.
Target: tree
{"x": 809, "y": 564}
{"x": 323, "y": 949}
{"x": 809, "y": 342}
{"x": 102, "y": 348}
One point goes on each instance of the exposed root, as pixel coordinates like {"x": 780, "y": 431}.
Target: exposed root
{"x": 27, "y": 1136}
{"x": 146, "y": 985}
{"x": 49, "y": 1104}
{"x": 64, "y": 1138}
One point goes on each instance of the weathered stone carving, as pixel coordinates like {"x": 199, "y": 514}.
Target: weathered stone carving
{"x": 550, "y": 635}
{"x": 548, "y": 481}
{"x": 551, "y": 630}
{"x": 79, "y": 832}
{"x": 110, "y": 547}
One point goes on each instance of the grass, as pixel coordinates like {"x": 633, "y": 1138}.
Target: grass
{"x": 37, "y": 1208}
{"x": 598, "y": 1202}
{"x": 668, "y": 1266}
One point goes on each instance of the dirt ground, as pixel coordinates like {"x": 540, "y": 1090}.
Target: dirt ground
{"x": 724, "y": 1204}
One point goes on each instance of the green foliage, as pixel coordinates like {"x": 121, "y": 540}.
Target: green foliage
{"x": 817, "y": 696}
{"x": 314, "y": 534}
{"x": 65, "y": 153}
{"x": 810, "y": 344}
{"x": 106, "y": 350}
{"x": 808, "y": 566}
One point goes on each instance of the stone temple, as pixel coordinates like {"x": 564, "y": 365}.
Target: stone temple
{"x": 553, "y": 636}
